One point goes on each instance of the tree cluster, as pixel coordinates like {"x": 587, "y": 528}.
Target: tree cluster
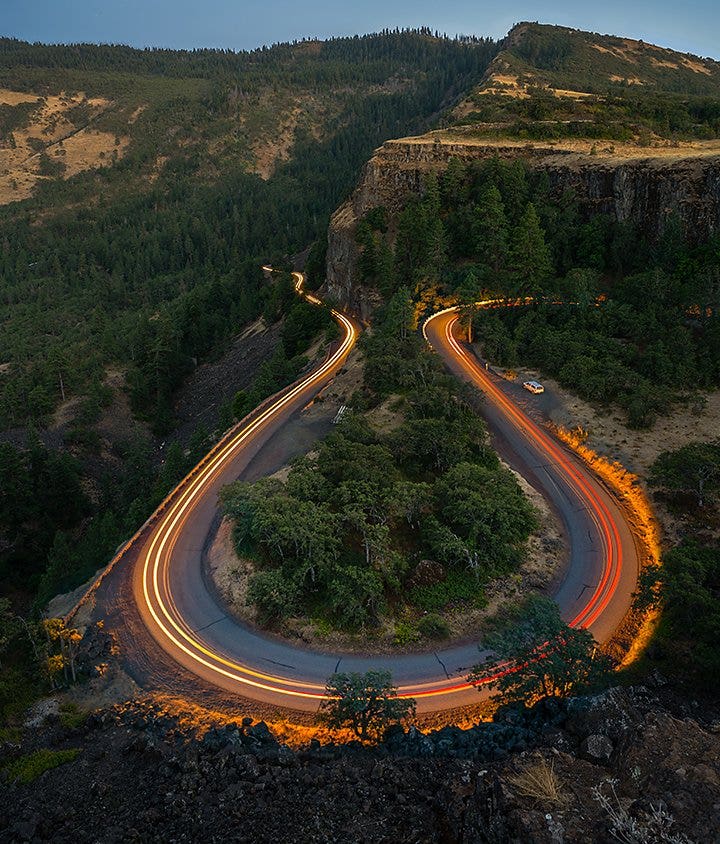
{"x": 535, "y": 655}
{"x": 687, "y": 584}
{"x": 342, "y": 536}
{"x": 495, "y": 229}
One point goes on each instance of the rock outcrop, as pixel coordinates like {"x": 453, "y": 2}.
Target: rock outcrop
{"x": 637, "y": 186}
{"x": 622, "y": 761}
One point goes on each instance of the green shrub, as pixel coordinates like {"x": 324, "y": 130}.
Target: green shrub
{"x": 27, "y": 768}
{"x": 459, "y": 587}
{"x": 405, "y": 633}
{"x": 433, "y": 626}
{"x": 71, "y": 716}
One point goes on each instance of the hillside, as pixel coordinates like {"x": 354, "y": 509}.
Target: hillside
{"x": 143, "y": 189}
{"x": 566, "y": 82}
{"x": 67, "y": 110}
{"x": 166, "y": 149}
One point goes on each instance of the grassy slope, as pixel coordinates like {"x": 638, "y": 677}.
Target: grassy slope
{"x": 596, "y": 85}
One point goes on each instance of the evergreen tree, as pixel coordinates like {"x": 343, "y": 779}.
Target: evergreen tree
{"x": 469, "y": 293}
{"x": 490, "y": 229}
{"x": 530, "y": 260}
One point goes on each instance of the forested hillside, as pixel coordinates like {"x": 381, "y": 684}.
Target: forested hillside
{"x": 138, "y": 260}
{"x": 495, "y": 228}
{"x": 618, "y": 318}
{"x": 554, "y": 82}
{"x": 145, "y": 261}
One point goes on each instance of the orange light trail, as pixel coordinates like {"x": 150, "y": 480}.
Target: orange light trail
{"x": 156, "y": 561}
{"x": 611, "y": 539}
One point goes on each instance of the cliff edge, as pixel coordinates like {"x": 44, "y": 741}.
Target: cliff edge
{"x": 639, "y": 185}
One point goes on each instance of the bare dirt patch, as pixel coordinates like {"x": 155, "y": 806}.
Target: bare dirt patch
{"x": 627, "y": 80}
{"x": 573, "y": 95}
{"x": 16, "y": 97}
{"x": 230, "y": 573}
{"x": 61, "y": 127}
{"x": 696, "y": 67}
{"x": 270, "y": 151}
{"x": 613, "y": 51}
{"x": 502, "y": 83}
{"x": 273, "y": 147}
{"x": 65, "y": 412}
{"x": 661, "y": 150}
{"x": 117, "y": 422}
{"x": 637, "y": 450}
{"x": 89, "y": 149}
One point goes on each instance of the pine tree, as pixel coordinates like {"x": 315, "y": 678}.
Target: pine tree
{"x": 530, "y": 261}
{"x": 490, "y": 228}
{"x": 435, "y": 241}
{"x": 469, "y": 293}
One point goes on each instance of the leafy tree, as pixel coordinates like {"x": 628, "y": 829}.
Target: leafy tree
{"x": 274, "y": 593}
{"x": 367, "y": 703}
{"x": 67, "y": 640}
{"x": 355, "y": 596}
{"x": 487, "y": 511}
{"x": 546, "y": 657}
{"x": 693, "y": 469}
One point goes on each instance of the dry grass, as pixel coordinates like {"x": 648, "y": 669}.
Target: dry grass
{"x": 78, "y": 147}
{"x": 538, "y": 781}
{"x": 502, "y": 83}
{"x": 696, "y": 67}
{"x": 477, "y": 145}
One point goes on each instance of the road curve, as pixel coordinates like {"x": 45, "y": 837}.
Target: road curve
{"x": 184, "y": 617}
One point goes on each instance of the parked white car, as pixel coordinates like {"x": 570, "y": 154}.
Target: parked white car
{"x": 534, "y": 386}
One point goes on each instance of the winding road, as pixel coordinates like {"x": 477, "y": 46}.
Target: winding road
{"x": 186, "y": 620}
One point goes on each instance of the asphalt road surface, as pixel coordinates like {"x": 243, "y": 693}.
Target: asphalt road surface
{"x": 193, "y": 629}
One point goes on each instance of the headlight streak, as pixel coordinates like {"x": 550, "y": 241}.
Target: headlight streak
{"x": 176, "y": 635}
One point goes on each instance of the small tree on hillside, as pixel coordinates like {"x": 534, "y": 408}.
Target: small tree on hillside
{"x": 67, "y": 639}
{"x": 367, "y": 703}
{"x": 693, "y": 469}
{"x": 545, "y": 657}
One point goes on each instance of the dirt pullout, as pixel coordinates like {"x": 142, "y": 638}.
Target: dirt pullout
{"x": 609, "y": 436}
{"x": 637, "y": 450}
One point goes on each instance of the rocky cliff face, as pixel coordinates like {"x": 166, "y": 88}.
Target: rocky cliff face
{"x": 635, "y": 187}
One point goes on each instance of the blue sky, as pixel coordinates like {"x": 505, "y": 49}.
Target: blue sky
{"x": 692, "y": 26}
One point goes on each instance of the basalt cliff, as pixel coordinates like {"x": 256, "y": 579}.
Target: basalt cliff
{"x": 644, "y": 186}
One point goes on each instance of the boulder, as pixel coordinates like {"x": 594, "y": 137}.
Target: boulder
{"x": 597, "y": 748}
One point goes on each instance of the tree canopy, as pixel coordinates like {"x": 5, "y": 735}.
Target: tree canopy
{"x": 537, "y": 655}
{"x": 367, "y": 703}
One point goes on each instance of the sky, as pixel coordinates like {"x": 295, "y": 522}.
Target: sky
{"x": 692, "y": 26}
